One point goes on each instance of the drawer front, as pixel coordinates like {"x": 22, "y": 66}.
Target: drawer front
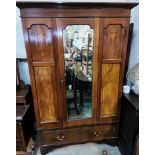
{"x": 78, "y": 135}
{"x": 20, "y": 99}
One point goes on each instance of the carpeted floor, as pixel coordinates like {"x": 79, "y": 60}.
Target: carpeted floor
{"x": 84, "y": 149}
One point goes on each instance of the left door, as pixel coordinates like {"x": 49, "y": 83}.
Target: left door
{"x": 41, "y": 47}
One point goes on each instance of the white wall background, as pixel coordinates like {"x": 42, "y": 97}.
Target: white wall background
{"x": 134, "y": 53}
{"x": 20, "y": 49}
{"x": 21, "y": 52}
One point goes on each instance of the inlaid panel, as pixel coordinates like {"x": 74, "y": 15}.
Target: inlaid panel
{"x": 45, "y": 79}
{"x": 112, "y": 47}
{"x": 41, "y": 43}
{"x": 109, "y": 89}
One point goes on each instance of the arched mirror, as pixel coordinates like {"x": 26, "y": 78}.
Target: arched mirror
{"x": 78, "y": 58}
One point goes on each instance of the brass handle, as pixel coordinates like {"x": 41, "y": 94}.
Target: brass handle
{"x": 97, "y": 133}
{"x": 60, "y": 138}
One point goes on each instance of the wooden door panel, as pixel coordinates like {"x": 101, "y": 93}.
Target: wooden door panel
{"x": 40, "y": 37}
{"x": 112, "y": 55}
{"x": 46, "y": 93}
{"x": 114, "y": 33}
{"x": 109, "y": 89}
{"x": 113, "y": 39}
{"x": 42, "y": 53}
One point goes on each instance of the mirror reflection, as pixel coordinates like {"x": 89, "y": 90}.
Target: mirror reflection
{"x": 78, "y": 55}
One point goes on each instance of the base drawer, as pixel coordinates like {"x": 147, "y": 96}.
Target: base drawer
{"x": 78, "y": 135}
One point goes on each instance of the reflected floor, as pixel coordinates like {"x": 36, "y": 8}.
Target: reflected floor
{"x": 85, "y": 110}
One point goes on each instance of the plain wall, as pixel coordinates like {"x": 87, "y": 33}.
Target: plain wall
{"x": 20, "y": 49}
{"x": 134, "y": 52}
{"x": 21, "y": 52}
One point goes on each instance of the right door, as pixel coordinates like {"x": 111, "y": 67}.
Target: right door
{"x": 112, "y": 54}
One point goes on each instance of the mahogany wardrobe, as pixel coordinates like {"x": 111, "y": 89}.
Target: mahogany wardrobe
{"x": 76, "y": 55}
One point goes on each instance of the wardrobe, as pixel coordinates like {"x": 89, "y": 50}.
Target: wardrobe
{"x": 76, "y": 55}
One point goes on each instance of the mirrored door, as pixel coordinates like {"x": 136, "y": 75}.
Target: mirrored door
{"x": 78, "y": 43}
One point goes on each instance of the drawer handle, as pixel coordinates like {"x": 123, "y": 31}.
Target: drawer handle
{"x": 97, "y": 133}
{"x": 60, "y": 138}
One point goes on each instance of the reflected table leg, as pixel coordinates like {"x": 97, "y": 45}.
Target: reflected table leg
{"x": 81, "y": 93}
